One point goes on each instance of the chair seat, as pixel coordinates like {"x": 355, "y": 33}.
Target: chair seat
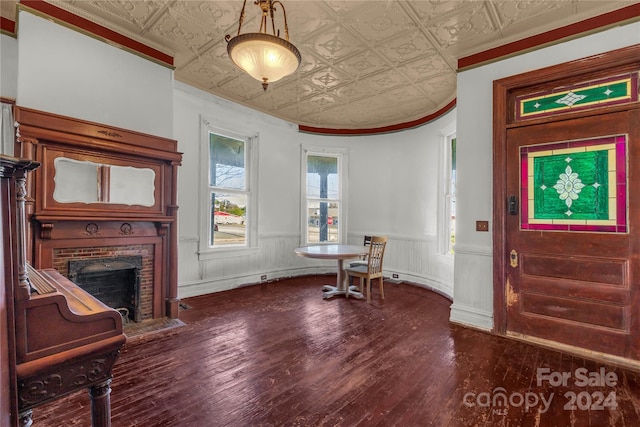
{"x": 360, "y": 269}
{"x": 358, "y": 263}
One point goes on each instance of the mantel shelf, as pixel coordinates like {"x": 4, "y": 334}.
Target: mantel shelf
{"x": 59, "y": 218}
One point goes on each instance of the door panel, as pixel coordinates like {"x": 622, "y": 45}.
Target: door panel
{"x": 573, "y": 274}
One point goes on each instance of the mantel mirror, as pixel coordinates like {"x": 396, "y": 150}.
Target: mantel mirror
{"x": 82, "y": 181}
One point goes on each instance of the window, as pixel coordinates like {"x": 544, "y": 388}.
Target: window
{"x": 451, "y": 196}
{"x": 323, "y": 209}
{"x": 229, "y": 196}
{"x": 447, "y": 192}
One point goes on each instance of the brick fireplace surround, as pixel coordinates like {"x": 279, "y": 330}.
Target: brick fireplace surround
{"x": 62, "y": 257}
{"x": 62, "y": 231}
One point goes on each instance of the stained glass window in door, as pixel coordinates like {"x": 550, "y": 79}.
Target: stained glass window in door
{"x": 575, "y": 185}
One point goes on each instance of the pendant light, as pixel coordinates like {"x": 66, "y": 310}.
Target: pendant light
{"x": 265, "y": 57}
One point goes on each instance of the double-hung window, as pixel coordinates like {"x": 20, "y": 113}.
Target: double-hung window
{"x": 451, "y": 196}
{"x": 447, "y": 210}
{"x": 229, "y": 198}
{"x": 323, "y": 208}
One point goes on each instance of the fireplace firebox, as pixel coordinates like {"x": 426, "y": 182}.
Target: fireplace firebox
{"x": 114, "y": 281}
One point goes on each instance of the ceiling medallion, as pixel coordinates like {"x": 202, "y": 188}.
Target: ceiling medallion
{"x": 265, "y": 57}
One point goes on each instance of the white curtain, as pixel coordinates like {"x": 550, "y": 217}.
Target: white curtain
{"x": 6, "y": 130}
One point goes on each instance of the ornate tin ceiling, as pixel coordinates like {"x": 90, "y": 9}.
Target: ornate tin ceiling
{"x": 365, "y": 64}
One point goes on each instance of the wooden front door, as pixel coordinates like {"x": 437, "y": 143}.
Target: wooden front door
{"x": 572, "y": 232}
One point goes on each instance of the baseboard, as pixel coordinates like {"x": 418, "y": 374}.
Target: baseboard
{"x": 595, "y": 356}
{"x": 207, "y": 286}
{"x": 471, "y": 316}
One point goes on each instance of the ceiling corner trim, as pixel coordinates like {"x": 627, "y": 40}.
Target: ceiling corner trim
{"x": 601, "y": 22}
{"x": 384, "y": 129}
{"x": 98, "y": 31}
{"x": 7, "y": 26}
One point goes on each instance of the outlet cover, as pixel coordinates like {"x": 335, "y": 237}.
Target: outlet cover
{"x": 395, "y": 275}
{"x": 263, "y": 277}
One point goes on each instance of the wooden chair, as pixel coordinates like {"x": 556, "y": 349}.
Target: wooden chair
{"x": 373, "y": 268}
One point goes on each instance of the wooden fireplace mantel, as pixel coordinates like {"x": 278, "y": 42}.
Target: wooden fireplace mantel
{"x": 59, "y": 225}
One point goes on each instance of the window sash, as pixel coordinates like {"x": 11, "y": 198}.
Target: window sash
{"x": 323, "y": 214}
{"x": 230, "y": 155}
{"x": 238, "y": 233}
{"x": 446, "y": 194}
{"x": 231, "y": 187}
{"x": 232, "y": 226}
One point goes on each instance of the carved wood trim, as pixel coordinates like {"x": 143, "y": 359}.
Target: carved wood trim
{"x": 18, "y": 169}
{"x": 99, "y": 136}
{"x": 55, "y": 381}
{"x": 46, "y": 229}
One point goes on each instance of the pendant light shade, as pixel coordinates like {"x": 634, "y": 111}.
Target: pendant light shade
{"x": 265, "y": 57}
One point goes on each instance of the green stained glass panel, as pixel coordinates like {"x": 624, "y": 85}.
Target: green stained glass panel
{"x": 613, "y": 90}
{"x": 572, "y": 186}
{"x": 577, "y": 97}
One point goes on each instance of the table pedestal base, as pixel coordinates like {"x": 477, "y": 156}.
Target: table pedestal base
{"x": 339, "y": 253}
{"x": 330, "y": 291}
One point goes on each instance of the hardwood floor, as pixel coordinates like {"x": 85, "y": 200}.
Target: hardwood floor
{"x": 279, "y": 355}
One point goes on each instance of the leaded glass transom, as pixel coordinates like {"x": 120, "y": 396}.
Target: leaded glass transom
{"x": 597, "y": 93}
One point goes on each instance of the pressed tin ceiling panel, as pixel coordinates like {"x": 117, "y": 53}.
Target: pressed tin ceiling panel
{"x": 365, "y": 64}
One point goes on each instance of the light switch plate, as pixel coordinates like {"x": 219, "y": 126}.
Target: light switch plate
{"x": 482, "y": 225}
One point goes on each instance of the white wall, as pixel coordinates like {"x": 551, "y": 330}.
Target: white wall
{"x": 8, "y": 67}
{"x": 473, "y": 295}
{"x": 8, "y": 89}
{"x": 392, "y": 190}
{"x": 65, "y": 72}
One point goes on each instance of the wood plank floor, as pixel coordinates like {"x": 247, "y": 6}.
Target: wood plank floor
{"x": 279, "y": 355}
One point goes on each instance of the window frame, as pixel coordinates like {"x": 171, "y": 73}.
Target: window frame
{"x": 251, "y": 175}
{"x": 446, "y": 135}
{"x": 342, "y": 155}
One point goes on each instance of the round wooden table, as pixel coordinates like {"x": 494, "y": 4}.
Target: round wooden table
{"x": 340, "y": 253}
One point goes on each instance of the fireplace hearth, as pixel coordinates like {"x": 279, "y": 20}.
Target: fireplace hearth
{"x": 115, "y": 281}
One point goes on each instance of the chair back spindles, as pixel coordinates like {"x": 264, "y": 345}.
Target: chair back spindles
{"x": 376, "y": 252}
{"x": 377, "y": 245}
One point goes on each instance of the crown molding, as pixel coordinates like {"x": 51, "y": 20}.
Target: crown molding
{"x": 85, "y": 26}
{"x": 598, "y": 23}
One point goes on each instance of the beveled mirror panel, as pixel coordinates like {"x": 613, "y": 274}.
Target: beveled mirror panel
{"x": 82, "y": 181}
{"x": 131, "y": 186}
{"x": 76, "y": 181}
